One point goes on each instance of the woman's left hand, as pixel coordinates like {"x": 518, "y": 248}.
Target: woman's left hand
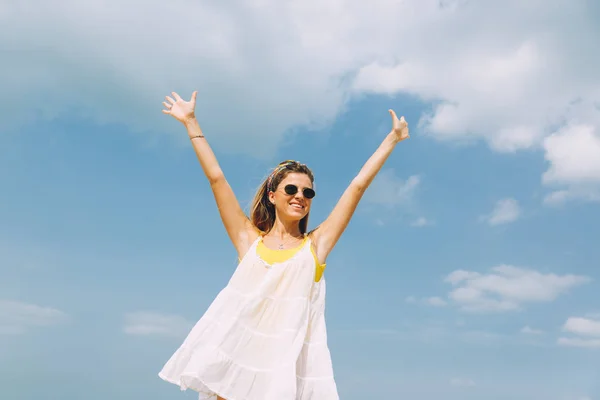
{"x": 399, "y": 127}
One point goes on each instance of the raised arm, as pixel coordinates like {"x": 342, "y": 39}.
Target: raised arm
{"x": 238, "y": 226}
{"x": 327, "y": 234}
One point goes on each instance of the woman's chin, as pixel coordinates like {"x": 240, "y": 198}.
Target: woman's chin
{"x": 294, "y": 214}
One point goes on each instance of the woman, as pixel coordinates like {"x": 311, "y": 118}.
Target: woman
{"x": 264, "y": 335}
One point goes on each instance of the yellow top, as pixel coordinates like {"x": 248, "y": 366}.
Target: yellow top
{"x": 277, "y": 256}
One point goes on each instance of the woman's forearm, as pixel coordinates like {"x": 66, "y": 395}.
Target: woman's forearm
{"x": 204, "y": 153}
{"x": 373, "y": 165}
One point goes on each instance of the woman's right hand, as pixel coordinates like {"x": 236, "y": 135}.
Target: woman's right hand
{"x": 181, "y": 110}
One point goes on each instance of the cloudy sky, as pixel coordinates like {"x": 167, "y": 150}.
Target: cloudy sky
{"x": 469, "y": 270}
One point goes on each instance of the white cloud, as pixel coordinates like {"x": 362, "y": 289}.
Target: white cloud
{"x": 585, "y": 331}
{"x": 17, "y": 317}
{"x": 530, "y": 331}
{"x": 496, "y": 93}
{"x": 507, "y": 288}
{"x": 460, "y": 382}
{"x": 151, "y": 323}
{"x": 389, "y": 194}
{"x": 436, "y": 302}
{"x": 557, "y": 198}
{"x": 264, "y": 66}
{"x": 574, "y": 154}
{"x": 574, "y": 157}
{"x": 583, "y": 326}
{"x": 388, "y": 190}
{"x": 505, "y": 211}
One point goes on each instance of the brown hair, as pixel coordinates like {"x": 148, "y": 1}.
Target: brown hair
{"x": 262, "y": 211}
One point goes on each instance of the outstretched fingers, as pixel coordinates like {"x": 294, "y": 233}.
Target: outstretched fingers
{"x": 170, "y": 100}
{"x": 175, "y": 99}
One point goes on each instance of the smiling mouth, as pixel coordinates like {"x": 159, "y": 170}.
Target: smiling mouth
{"x": 297, "y": 206}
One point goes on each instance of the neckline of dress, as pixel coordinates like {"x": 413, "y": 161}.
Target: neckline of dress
{"x": 296, "y": 254}
{"x": 298, "y": 248}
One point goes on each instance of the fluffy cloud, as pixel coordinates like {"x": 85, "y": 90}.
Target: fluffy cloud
{"x": 264, "y": 66}
{"x": 18, "y": 317}
{"x": 586, "y": 332}
{"x": 436, "y": 302}
{"x": 574, "y": 157}
{"x": 471, "y": 87}
{"x": 151, "y": 323}
{"x": 505, "y": 211}
{"x": 583, "y": 326}
{"x": 509, "y": 88}
{"x": 507, "y": 288}
{"x": 388, "y": 190}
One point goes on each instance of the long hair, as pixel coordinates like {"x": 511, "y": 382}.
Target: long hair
{"x": 262, "y": 212}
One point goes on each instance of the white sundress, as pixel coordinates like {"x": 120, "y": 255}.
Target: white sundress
{"x": 262, "y": 338}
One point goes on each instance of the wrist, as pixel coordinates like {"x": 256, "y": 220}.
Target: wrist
{"x": 392, "y": 138}
{"x": 190, "y": 122}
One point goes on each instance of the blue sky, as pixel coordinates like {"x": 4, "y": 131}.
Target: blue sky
{"x": 469, "y": 271}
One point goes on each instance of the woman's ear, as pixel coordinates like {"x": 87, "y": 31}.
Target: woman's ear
{"x": 271, "y": 196}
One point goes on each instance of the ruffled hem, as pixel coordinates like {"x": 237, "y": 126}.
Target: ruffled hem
{"x": 321, "y": 388}
{"x": 209, "y": 372}
{"x": 196, "y": 384}
{"x": 326, "y": 389}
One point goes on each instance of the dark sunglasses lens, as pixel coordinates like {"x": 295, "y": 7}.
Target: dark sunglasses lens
{"x": 291, "y": 189}
{"x": 308, "y": 193}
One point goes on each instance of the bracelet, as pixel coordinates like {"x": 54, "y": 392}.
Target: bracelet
{"x": 197, "y": 136}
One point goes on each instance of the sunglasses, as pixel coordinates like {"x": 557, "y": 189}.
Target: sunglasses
{"x": 293, "y": 189}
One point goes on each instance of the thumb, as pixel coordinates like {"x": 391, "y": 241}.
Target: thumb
{"x": 194, "y": 94}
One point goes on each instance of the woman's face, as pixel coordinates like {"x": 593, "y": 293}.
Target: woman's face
{"x": 292, "y": 206}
